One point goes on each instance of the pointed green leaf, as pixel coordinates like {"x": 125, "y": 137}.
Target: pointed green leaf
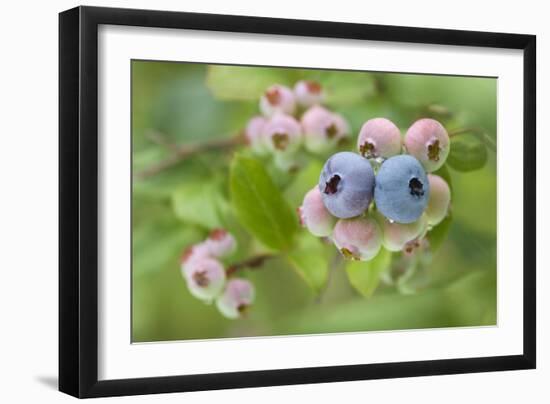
{"x": 310, "y": 260}
{"x": 259, "y": 204}
{"x": 364, "y": 276}
{"x": 200, "y": 203}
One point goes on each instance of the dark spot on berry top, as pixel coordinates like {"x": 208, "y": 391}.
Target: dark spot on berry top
{"x": 273, "y": 96}
{"x": 416, "y": 187}
{"x": 313, "y": 87}
{"x": 331, "y": 186}
{"x": 331, "y": 131}
{"x": 280, "y": 141}
{"x": 201, "y": 279}
{"x": 367, "y": 149}
{"x": 433, "y": 150}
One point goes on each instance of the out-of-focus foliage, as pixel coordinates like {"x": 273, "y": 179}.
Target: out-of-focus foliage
{"x": 307, "y": 288}
{"x": 259, "y": 204}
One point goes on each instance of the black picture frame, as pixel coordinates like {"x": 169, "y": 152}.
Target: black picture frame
{"x": 78, "y": 201}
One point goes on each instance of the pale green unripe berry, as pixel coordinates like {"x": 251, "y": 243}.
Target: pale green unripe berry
{"x": 314, "y": 215}
{"x": 358, "y": 239}
{"x": 440, "y": 200}
{"x": 397, "y": 235}
{"x": 205, "y": 278}
{"x": 220, "y": 243}
{"x": 236, "y": 298}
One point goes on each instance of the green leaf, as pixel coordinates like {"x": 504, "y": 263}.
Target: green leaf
{"x": 439, "y": 233}
{"x": 157, "y": 237}
{"x": 259, "y": 204}
{"x": 468, "y": 153}
{"x": 311, "y": 260}
{"x": 364, "y": 276}
{"x": 200, "y": 203}
{"x": 469, "y": 301}
{"x": 242, "y": 82}
{"x": 303, "y": 181}
{"x": 347, "y": 88}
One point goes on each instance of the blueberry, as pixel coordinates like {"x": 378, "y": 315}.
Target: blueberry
{"x": 282, "y": 134}
{"x": 277, "y": 99}
{"x": 323, "y": 129}
{"x": 237, "y": 296}
{"x": 314, "y": 215}
{"x": 358, "y": 239}
{"x": 440, "y": 199}
{"x": 402, "y": 189}
{"x": 220, "y": 243}
{"x": 205, "y": 277}
{"x": 346, "y": 184}
{"x": 395, "y": 236}
{"x": 308, "y": 93}
{"x": 428, "y": 141}
{"x": 379, "y": 137}
{"x": 254, "y": 134}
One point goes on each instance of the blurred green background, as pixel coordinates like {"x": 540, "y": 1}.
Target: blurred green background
{"x": 175, "y": 104}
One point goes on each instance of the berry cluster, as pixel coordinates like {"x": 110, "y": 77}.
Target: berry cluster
{"x": 384, "y": 195}
{"x": 207, "y": 279}
{"x": 292, "y": 118}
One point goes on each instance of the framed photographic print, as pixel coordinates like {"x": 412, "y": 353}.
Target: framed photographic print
{"x": 251, "y": 201}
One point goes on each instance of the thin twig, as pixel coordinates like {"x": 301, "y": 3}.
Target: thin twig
{"x": 181, "y": 152}
{"x": 252, "y": 263}
{"x": 160, "y": 139}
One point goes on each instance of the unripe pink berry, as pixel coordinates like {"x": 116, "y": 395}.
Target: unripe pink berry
{"x": 282, "y": 134}
{"x": 428, "y": 141}
{"x": 308, "y": 93}
{"x": 440, "y": 199}
{"x": 205, "y": 278}
{"x": 323, "y": 129}
{"x": 277, "y": 99}
{"x": 379, "y": 137}
{"x": 237, "y": 296}
{"x": 192, "y": 254}
{"x": 397, "y": 235}
{"x": 359, "y": 238}
{"x": 254, "y": 134}
{"x": 314, "y": 215}
{"x": 220, "y": 243}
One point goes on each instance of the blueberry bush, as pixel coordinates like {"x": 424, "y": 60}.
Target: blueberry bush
{"x": 272, "y": 201}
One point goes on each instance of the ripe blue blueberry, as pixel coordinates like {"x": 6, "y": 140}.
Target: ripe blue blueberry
{"x": 346, "y": 184}
{"x": 402, "y": 189}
